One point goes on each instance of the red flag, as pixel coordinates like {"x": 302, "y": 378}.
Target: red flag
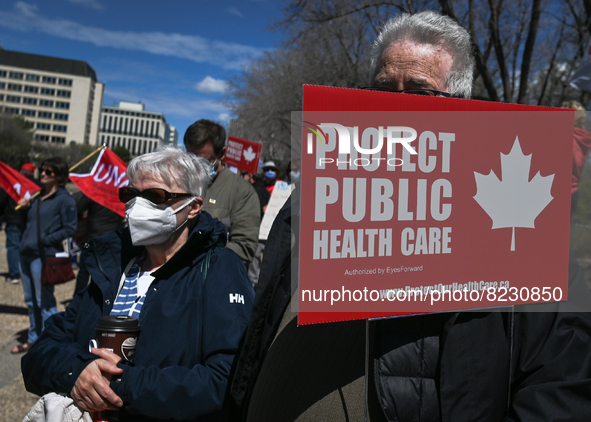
{"x": 104, "y": 180}
{"x": 15, "y": 184}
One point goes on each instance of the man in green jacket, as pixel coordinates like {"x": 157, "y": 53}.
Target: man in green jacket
{"x": 230, "y": 198}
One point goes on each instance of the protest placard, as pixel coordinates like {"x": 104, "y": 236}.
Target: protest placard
{"x": 243, "y": 154}
{"x": 413, "y": 204}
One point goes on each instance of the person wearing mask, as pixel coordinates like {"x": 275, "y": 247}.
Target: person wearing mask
{"x": 170, "y": 269}
{"x": 230, "y": 198}
{"x": 270, "y": 172}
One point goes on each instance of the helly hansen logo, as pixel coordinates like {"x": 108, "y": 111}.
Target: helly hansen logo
{"x": 236, "y": 298}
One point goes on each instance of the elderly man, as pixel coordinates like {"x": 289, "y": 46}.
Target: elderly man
{"x": 425, "y": 54}
{"x": 230, "y": 198}
{"x": 455, "y": 366}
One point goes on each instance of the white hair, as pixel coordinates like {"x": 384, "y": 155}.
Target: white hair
{"x": 173, "y": 166}
{"x": 438, "y": 30}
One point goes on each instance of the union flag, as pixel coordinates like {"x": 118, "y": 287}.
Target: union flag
{"x": 102, "y": 184}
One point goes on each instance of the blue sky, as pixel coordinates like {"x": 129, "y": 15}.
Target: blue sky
{"x": 173, "y": 56}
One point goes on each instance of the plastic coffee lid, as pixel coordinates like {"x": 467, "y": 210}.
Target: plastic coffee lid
{"x": 118, "y": 323}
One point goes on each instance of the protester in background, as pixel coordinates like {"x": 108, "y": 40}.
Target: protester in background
{"x": 270, "y": 172}
{"x": 15, "y": 222}
{"x": 293, "y": 172}
{"x": 96, "y": 220}
{"x": 257, "y": 183}
{"x": 230, "y": 198}
{"x": 581, "y": 148}
{"x": 191, "y": 295}
{"x": 52, "y": 217}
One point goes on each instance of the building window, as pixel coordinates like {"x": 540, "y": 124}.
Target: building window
{"x": 31, "y": 89}
{"x": 30, "y": 77}
{"x": 45, "y": 115}
{"x": 65, "y": 82}
{"x": 15, "y": 75}
{"x": 43, "y": 126}
{"x": 1, "y": 97}
{"x": 47, "y": 91}
{"x": 60, "y": 116}
{"x": 26, "y": 112}
{"x": 60, "y": 128}
{"x": 15, "y": 87}
{"x": 27, "y": 100}
{"x": 60, "y": 104}
{"x": 42, "y": 138}
{"x": 30, "y": 125}
{"x": 12, "y": 110}
{"x": 2, "y": 73}
{"x": 49, "y": 80}
{"x": 58, "y": 139}
{"x": 64, "y": 93}
{"x": 13, "y": 98}
{"x": 2, "y": 85}
{"x": 46, "y": 103}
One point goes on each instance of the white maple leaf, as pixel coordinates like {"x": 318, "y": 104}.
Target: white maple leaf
{"x": 249, "y": 154}
{"x": 515, "y": 201}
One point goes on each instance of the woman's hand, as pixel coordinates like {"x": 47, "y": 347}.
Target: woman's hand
{"x": 106, "y": 354}
{"x": 91, "y": 391}
{"x": 24, "y": 202}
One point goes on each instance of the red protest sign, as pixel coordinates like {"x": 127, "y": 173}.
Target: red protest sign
{"x": 243, "y": 154}
{"x": 102, "y": 184}
{"x": 15, "y": 184}
{"x": 433, "y": 205}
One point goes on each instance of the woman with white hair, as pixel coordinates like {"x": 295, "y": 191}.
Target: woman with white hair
{"x": 170, "y": 269}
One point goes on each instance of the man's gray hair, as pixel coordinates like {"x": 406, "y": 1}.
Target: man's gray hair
{"x": 431, "y": 28}
{"x": 173, "y": 166}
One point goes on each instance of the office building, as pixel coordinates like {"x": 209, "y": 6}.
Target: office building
{"x": 60, "y": 99}
{"x": 129, "y": 125}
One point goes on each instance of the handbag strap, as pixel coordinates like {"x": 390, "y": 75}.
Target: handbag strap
{"x": 39, "y": 243}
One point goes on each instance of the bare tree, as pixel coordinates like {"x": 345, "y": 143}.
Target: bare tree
{"x": 524, "y": 51}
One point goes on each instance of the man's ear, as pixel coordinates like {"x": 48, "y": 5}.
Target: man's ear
{"x": 223, "y": 156}
{"x": 195, "y": 206}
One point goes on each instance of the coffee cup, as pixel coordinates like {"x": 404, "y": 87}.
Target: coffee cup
{"x": 119, "y": 334}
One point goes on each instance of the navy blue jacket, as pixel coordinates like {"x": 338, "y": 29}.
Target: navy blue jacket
{"x": 191, "y": 326}
{"x": 58, "y": 222}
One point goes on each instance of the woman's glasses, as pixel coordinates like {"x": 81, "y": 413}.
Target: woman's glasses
{"x": 155, "y": 195}
{"x": 48, "y": 172}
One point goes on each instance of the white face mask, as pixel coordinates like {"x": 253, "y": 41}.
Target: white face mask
{"x": 152, "y": 224}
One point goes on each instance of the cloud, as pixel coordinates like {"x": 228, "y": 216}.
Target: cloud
{"x": 169, "y": 104}
{"x": 210, "y": 85}
{"x": 224, "y": 117}
{"x": 88, "y": 3}
{"x": 190, "y": 47}
{"x": 235, "y": 12}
